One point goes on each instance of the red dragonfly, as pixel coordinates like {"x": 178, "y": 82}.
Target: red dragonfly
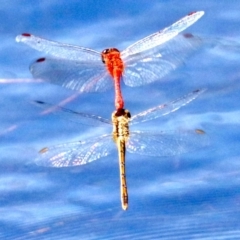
{"x": 145, "y": 61}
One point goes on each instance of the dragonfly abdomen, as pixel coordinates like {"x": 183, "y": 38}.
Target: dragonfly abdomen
{"x": 120, "y": 120}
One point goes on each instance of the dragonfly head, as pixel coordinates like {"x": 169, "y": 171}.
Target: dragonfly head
{"x": 107, "y": 52}
{"x": 122, "y": 112}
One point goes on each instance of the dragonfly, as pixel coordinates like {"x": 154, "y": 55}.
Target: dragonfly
{"x": 86, "y": 70}
{"x": 155, "y": 144}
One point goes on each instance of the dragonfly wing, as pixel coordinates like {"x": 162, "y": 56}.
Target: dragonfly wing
{"x": 164, "y": 109}
{"x": 60, "y": 50}
{"x": 75, "y": 75}
{"x": 162, "y": 36}
{"x": 155, "y": 63}
{"x": 167, "y": 144}
{"x": 76, "y": 153}
{"x": 82, "y": 118}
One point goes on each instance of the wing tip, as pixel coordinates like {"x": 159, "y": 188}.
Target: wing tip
{"x": 197, "y": 14}
{"x": 200, "y": 90}
{"x": 22, "y": 37}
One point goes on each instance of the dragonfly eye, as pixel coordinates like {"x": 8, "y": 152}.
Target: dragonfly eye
{"x": 128, "y": 114}
{"x": 106, "y": 51}
{"x": 103, "y": 60}
{"x": 114, "y": 50}
{"x": 110, "y": 50}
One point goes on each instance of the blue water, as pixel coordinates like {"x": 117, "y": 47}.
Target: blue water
{"x": 190, "y": 196}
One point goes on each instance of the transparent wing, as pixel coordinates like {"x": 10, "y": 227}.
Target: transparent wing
{"x": 82, "y": 118}
{"x": 167, "y": 144}
{"x": 164, "y": 109}
{"x": 147, "y": 115}
{"x": 162, "y": 36}
{"x": 60, "y": 50}
{"x": 72, "y": 74}
{"x": 75, "y": 67}
{"x": 155, "y": 63}
{"x": 76, "y": 153}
